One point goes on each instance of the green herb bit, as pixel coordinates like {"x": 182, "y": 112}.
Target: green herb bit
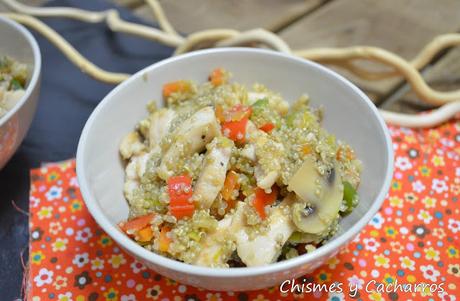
{"x": 261, "y": 103}
{"x": 350, "y": 196}
{"x": 15, "y": 85}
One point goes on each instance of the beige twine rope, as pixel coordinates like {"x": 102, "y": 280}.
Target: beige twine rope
{"x": 449, "y": 102}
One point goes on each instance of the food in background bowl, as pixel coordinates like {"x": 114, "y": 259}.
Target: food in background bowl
{"x": 20, "y": 68}
{"x": 13, "y": 79}
{"x": 226, "y": 176}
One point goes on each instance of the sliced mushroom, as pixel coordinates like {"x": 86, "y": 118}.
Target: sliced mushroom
{"x": 303, "y": 238}
{"x": 321, "y": 197}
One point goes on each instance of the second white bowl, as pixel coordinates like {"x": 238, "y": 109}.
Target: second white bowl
{"x": 18, "y": 43}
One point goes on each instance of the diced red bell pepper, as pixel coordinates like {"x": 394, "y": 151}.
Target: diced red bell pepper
{"x": 137, "y": 223}
{"x": 235, "y": 130}
{"x": 268, "y": 127}
{"x": 234, "y": 122}
{"x": 217, "y": 77}
{"x": 177, "y": 86}
{"x": 263, "y": 199}
{"x": 180, "y": 192}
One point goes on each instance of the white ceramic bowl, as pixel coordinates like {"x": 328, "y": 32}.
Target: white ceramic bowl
{"x": 18, "y": 43}
{"x": 349, "y": 114}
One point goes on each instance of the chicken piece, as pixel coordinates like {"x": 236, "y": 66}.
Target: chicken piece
{"x": 218, "y": 246}
{"x": 238, "y": 220}
{"x": 134, "y": 171}
{"x": 212, "y": 252}
{"x": 131, "y": 145}
{"x": 160, "y": 123}
{"x": 129, "y": 189}
{"x": 212, "y": 176}
{"x": 268, "y": 153}
{"x": 265, "y": 180}
{"x": 265, "y": 248}
{"x": 249, "y": 152}
{"x": 191, "y": 137}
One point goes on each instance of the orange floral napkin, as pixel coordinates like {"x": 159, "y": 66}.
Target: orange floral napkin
{"x": 413, "y": 240}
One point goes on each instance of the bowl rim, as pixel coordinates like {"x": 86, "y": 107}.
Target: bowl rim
{"x": 171, "y": 264}
{"x": 36, "y": 68}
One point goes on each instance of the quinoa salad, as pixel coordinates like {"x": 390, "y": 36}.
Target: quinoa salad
{"x": 230, "y": 176}
{"x": 13, "y": 79}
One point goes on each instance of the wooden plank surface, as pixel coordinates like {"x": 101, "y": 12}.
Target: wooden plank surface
{"x": 403, "y": 27}
{"x": 194, "y": 15}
